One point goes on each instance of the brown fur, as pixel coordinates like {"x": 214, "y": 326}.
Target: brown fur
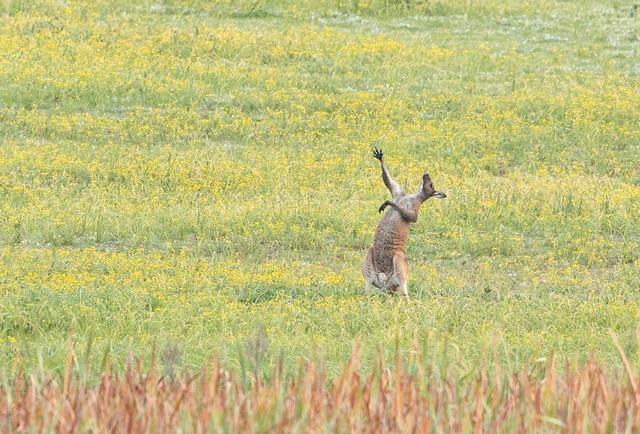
{"x": 385, "y": 264}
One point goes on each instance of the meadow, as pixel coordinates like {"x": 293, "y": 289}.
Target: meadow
{"x": 195, "y": 177}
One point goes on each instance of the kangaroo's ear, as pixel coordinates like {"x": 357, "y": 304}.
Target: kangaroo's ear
{"x": 426, "y": 177}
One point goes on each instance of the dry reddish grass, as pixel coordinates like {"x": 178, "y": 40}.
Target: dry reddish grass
{"x": 406, "y": 397}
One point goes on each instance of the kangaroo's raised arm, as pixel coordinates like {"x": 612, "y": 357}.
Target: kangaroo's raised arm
{"x": 393, "y": 186}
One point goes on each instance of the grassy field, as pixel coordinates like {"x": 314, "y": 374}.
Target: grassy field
{"x": 197, "y": 176}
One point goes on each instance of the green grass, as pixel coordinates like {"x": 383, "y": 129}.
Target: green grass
{"x": 189, "y": 173}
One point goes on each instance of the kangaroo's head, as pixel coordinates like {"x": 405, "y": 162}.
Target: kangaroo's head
{"x": 427, "y": 189}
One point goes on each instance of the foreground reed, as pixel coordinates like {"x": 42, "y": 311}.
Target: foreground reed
{"x": 409, "y": 396}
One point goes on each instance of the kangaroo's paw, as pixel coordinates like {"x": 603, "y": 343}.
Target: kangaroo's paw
{"x": 377, "y": 153}
{"x": 383, "y": 206}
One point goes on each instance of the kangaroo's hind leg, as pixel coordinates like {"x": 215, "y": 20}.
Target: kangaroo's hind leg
{"x": 369, "y": 272}
{"x": 400, "y": 277}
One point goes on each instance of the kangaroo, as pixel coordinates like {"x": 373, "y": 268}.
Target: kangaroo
{"x": 385, "y": 264}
